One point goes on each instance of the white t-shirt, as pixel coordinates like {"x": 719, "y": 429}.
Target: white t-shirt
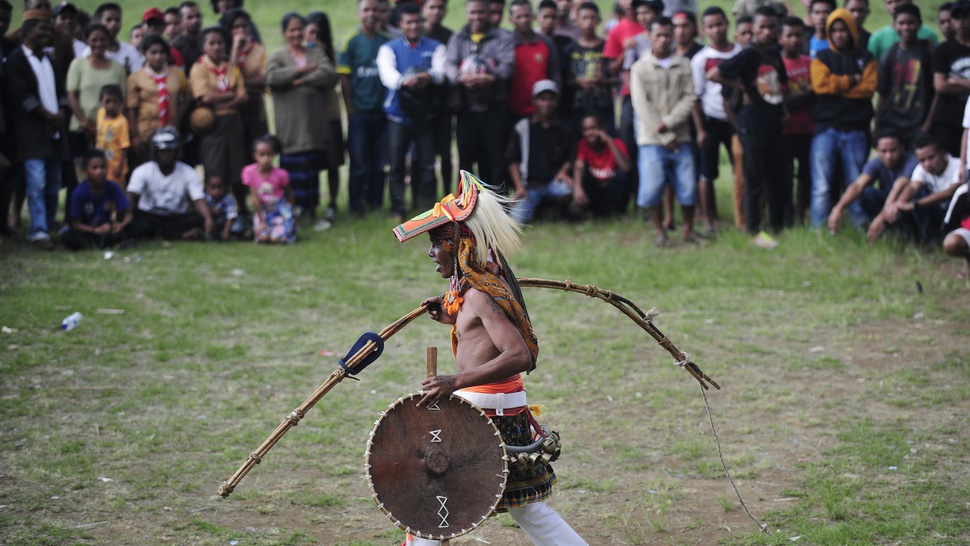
{"x": 165, "y": 195}
{"x": 937, "y": 183}
{"x": 127, "y": 56}
{"x": 966, "y": 123}
{"x": 712, "y": 103}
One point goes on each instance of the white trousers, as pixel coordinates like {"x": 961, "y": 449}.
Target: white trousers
{"x": 543, "y": 525}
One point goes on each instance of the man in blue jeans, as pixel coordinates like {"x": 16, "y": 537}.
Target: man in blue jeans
{"x": 662, "y": 90}
{"x": 540, "y": 154}
{"x": 844, "y": 78}
{"x": 363, "y": 93}
{"x": 410, "y": 67}
{"x": 39, "y": 103}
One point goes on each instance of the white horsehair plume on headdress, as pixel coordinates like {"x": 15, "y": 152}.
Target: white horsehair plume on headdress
{"x": 492, "y": 226}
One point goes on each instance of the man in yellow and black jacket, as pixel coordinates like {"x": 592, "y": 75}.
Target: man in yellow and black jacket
{"x": 844, "y": 78}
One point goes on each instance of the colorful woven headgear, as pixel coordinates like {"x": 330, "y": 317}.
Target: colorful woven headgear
{"x": 37, "y": 15}
{"x": 453, "y": 208}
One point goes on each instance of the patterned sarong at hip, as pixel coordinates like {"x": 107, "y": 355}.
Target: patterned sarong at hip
{"x": 522, "y": 487}
{"x": 304, "y": 169}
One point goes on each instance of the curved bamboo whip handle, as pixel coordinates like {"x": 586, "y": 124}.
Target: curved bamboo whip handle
{"x": 294, "y": 418}
{"x": 628, "y": 308}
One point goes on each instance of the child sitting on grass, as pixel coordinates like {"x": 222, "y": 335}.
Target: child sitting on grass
{"x": 226, "y": 223}
{"x": 113, "y": 133}
{"x": 273, "y": 200}
{"x": 100, "y": 211}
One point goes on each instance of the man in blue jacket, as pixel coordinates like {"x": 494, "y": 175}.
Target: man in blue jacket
{"x": 410, "y": 68}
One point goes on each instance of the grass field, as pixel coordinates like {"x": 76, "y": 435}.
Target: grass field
{"x": 843, "y": 412}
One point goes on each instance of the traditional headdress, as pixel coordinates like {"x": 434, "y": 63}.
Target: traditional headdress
{"x": 476, "y": 229}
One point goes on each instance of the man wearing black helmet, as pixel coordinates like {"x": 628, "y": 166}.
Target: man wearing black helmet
{"x": 163, "y": 192}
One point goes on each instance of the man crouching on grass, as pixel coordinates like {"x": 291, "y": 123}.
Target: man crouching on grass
{"x": 491, "y": 337}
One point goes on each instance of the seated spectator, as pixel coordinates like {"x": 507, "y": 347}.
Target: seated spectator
{"x": 599, "y": 172}
{"x": 112, "y": 136}
{"x": 921, "y": 204}
{"x": 100, "y": 212}
{"x": 893, "y": 166}
{"x": 167, "y": 194}
{"x": 226, "y": 223}
{"x": 844, "y": 79}
{"x": 273, "y": 197}
{"x": 539, "y": 154}
{"x": 956, "y": 225}
{"x": 663, "y": 98}
{"x": 906, "y": 79}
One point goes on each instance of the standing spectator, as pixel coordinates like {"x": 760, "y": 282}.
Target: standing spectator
{"x": 135, "y": 35}
{"x": 546, "y": 18}
{"x": 539, "y": 156}
{"x": 319, "y": 34}
{"x": 922, "y": 203}
{"x": 162, "y": 192}
{"x": 496, "y": 10}
{"x": 65, "y": 23}
{"x": 844, "y": 79}
{"x": 481, "y": 69}
{"x": 61, "y": 49}
{"x": 100, "y": 211}
{"x": 747, "y": 8}
{"x": 887, "y": 174}
{"x": 444, "y": 123}
{"x": 686, "y": 45}
{"x": 363, "y": 93}
{"x": 599, "y": 170}
{"x": 109, "y": 14}
{"x": 798, "y": 129}
{"x": 759, "y": 73}
{"x": 906, "y": 79}
{"x": 662, "y": 89}
{"x": 39, "y": 102}
{"x": 158, "y": 96}
{"x": 410, "y": 67}
{"x": 860, "y": 12}
{"x": 944, "y": 20}
{"x": 249, "y": 56}
{"x": 820, "y": 11}
{"x": 173, "y": 23}
{"x": 536, "y": 59}
{"x": 589, "y": 83}
{"x": 881, "y": 40}
{"x": 714, "y": 120}
{"x": 733, "y": 99}
{"x": 113, "y": 133}
{"x": 299, "y": 77}
{"x": 85, "y": 79}
{"x": 189, "y": 41}
{"x": 685, "y": 34}
{"x": 218, "y": 85}
{"x": 951, "y": 80}
{"x": 8, "y": 149}
{"x": 565, "y": 24}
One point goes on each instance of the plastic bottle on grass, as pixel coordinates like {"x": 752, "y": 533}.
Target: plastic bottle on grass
{"x": 71, "y": 321}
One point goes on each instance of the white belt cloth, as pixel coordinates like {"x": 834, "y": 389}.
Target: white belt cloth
{"x": 498, "y": 402}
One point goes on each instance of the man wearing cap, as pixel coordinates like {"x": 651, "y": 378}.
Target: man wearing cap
{"x": 125, "y": 54}
{"x": 540, "y": 154}
{"x": 38, "y": 98}
{"x": 492, "y": 339}
{"x": 163, "y": 192}
{"x": 662, "y": 88}
{"x": 65, "y": 22}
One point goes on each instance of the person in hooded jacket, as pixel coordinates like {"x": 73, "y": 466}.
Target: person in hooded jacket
{"x": 844, "y": 78}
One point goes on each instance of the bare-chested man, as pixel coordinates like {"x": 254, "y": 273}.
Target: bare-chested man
{"x": 492, "y": 338}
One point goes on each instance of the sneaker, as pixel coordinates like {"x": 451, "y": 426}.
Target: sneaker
{"x": 765, "y": 241}
{"x": 322, "y": 225}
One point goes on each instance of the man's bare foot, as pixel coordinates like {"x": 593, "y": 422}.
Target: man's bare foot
{"x": 194, "y": 234}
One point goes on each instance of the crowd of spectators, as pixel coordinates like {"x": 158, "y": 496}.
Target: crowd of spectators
{"x": 575, "y": 117}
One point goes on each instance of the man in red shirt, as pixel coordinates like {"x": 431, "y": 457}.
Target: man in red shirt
{"x": 536, "y": 58}
{"x": 599, "y": 170}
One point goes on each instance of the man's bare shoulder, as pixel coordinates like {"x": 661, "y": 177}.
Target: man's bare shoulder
{"x": 482, "y": 304}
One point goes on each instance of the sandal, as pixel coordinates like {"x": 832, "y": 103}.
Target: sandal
{"x": 661, "y": 241}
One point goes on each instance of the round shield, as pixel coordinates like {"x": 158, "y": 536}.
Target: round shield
{"x": 436, "y": 472}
